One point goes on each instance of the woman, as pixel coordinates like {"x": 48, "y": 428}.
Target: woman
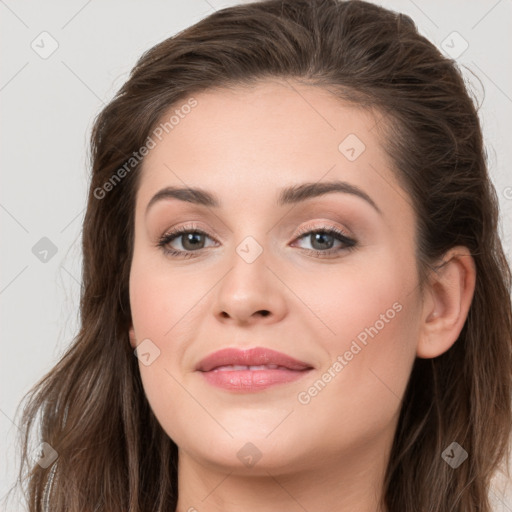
{"x": 291, "y": 226}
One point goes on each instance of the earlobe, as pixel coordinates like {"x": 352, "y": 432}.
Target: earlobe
{"x": 131, "y": 335}
{"x": 448, "y": 298}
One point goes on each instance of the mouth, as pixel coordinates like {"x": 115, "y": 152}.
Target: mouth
{"x": 251, "y": 370}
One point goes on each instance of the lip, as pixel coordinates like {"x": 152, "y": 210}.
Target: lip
{"x": 282, "y": 369}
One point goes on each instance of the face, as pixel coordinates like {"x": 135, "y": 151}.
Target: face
{"x": 324, "y": 277}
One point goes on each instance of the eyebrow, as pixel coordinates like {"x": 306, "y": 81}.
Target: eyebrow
{"x": 289, "y": 195}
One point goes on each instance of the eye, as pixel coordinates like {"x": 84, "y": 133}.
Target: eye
{"x": 323, "y": 239}
{"x": 191, "y": 239}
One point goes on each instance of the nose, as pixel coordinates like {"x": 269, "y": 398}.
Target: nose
{"x": 250, "y": 292}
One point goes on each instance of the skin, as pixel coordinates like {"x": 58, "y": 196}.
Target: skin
{"x": 244, "y": 145}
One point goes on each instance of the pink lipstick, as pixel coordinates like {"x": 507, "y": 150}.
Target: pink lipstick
{"x": 252, "y": 369}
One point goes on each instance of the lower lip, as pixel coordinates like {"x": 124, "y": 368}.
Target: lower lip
{"x": 251, "y": 380}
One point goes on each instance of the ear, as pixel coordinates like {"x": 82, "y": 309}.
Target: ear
{"x": 131, "y": 335}
{"x": 447, "y": 299}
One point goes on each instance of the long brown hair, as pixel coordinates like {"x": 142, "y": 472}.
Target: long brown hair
{"x": 113, "y": 454}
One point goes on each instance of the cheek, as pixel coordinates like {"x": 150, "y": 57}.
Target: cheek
{"x": 363, "y": 299}
{"x": 168, "y": 308}
{"x": 358, "y": 393}
{"x": 371, "y": 342}
{"x": 160, "y": 300}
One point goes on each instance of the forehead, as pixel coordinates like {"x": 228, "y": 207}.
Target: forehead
{"x": 243, "y": 141}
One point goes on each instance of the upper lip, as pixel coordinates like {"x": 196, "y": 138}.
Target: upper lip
{"x": 250, "y": 357}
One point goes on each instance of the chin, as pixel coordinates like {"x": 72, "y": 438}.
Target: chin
{"x": 255, "y": 447}
{"x": 258, "y": 457}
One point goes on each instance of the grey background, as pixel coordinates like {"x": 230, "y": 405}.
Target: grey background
{"x": 48, "y": 106}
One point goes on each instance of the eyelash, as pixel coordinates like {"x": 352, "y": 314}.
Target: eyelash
{"x": 168, "y": 237}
